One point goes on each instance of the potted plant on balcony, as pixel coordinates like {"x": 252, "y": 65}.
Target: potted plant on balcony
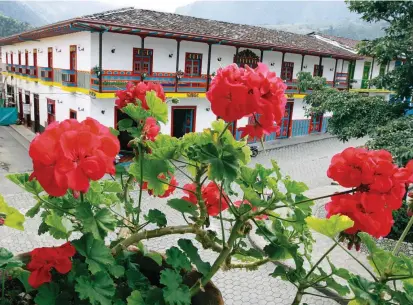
{"x": 81, "y": 207}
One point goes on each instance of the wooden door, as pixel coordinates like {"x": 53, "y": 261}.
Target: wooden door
{"x": 73, "y": 63}
{"x": 50, "y": 61}
{"x": 35, "y": 61}
{"x": 36, "y": 113}
{"x": 51, "y": 111}
{"x": 316, "y": 123}
{"x": 285, "y": 126}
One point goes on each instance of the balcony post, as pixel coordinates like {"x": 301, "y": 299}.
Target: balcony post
{"x": 282, "y": 65}
{"x": 178, "y": 50}
{"x": 262, "y": 55}
{"x": 209, "y": 66}
{"x": 100, "y": 62}
{"x": 320, "y": 69}
{"x": 302, "y": 62}
{"x": 335, "y": 73}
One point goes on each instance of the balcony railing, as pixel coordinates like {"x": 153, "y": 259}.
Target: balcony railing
{"x": 31, "y": 71}
{"x": 69, "y": 78}
{"x": 46, "y": 74}
{"x": 192, "y": 84}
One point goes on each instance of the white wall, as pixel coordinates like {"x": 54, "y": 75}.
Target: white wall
{"x": 108, "y": 106}
{"x": 161, "y": 50}
{"x": 61, "y": 60}
{"x": 298, "y": 110}
{"x": 376, "y": 69}
{"x": 328, "y": 68}
{"x": 309, "y": 62}
{"x": 226, "y": 53}
{"x": 273, "y": 57}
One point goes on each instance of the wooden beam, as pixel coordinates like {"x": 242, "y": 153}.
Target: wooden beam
{"x": 262, "y": 55}
{"x": 178, "y": 49}
{"x": 335, "y": 72}
{"x": 100, "y": 61}
{"x": 209, "y": 65}
{"x": 320, "y": 69}
{"x": 302, "y": 62}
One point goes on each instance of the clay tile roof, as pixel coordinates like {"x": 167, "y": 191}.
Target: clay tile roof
{"x": 345, "y": 42}
{"x": 224, "y": 30}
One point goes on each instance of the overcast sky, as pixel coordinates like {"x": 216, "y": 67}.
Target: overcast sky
{"x": 167, "y": 5}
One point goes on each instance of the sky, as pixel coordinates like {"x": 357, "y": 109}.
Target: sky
{"x": 167, "y": 5}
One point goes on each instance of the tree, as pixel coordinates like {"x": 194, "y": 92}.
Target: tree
{"x": 397, "y": 42}
{"x": 354, "y": 115}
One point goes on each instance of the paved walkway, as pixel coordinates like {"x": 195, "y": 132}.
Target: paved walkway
{"x": 306, "y": 162}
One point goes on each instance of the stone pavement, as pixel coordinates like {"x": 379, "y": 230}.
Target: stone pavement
{"x": 306, "y": 162}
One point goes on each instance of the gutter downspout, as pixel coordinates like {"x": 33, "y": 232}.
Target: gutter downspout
{"x": 100, "y": 62}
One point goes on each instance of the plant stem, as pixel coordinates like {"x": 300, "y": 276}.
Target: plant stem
{"x": 3, "y": 285}
{"x": 298, "y": 297}
{"x": 320, "y": 260}
{"x": 182, "y": 172}
{"x": 402, "y": 237}
{"x": 249, "y": 265}
{"x": 361, "y": 264}
{"x": 82, "y": 198}
{"x": 140, "y": 183}
{"x": 327, "y": 297}
{"x": 225, "y": 129}
{"x": 220, "y": 259}
{"x": 135, "y": 238}
{"x": 220, "y": 214}
{"x": 198, "y": 192}
{"x": 326, "y": 196}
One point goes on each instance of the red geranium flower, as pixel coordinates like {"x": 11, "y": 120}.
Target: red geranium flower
{"x": 253, "y": 208}
{"x": 44, "y": 259}
{"x": 138, "y": 92}
{"x": 211, "y": 196}
{"x": 69, "y": 154}
{"x": 374, "y": 221}
{"x": 237, "y": 92}
{"x": 151, "y": 128}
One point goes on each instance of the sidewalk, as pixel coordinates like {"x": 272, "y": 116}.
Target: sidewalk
{"x": 270, "y": 145}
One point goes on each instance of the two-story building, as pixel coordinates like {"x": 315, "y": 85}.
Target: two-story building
{"x": 72, "y": 69}
{"x": 364, "y": 69}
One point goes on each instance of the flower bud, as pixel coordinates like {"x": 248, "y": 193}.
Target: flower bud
{"x": 350, "y": 245}
{"x": 410, "y": 194}
{"x": 2, "y": 220}
{"x": 358, "y": 245}
{"x": 409, "y": 212}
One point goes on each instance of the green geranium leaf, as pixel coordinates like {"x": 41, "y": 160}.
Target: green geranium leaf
{"x": 252, "y": 196}
{"x": 22, "y": 180}
{"x": 177, "y": 259}
{"x": 183, "y": 206}
{"x": 136, "y": 280}
{"x": 34, "y": 210}
{"x": 295, "y": 187}
{"x": 155, "y": 296}
{"x": 330, "y": 226}
{"x": 113, "y": 131}
{"x": 98, "y": 224}
{"x": 157, "y": 108}
{"x": 24, "y": 279}
{"x": 135, "y": 112}
{"x": 248, "y": 175}
{"x": 47, "y": 294}
{"x": 99, "y": 289}
{"x": 157, "y": 217}
{"x": 135, "y": 298}
{"x": 98, "y": 256}
{"x": 151, "y": 171}
{"x": 156, "y": 257}
{"x": 174, "y": 293}
{"x": 111, "y": 187}
{"x": 13, "y": 218}
{"x": 192, "y": 252}
{"x": 333, "y": 284}
{"x": 124, "y": 124}
{"x": 59, "y": 227}
{"x": 369, "y": 292}
{"x": 7, "y": 260}
{"x": 164, "y": 147}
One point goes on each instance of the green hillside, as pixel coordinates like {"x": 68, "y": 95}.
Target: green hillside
{"x": 10, "y": 26}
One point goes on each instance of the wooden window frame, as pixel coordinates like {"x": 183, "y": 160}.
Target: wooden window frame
{"x": 133, "y": 61}
{"x": 183, "y": 107}
{"x": 187, "y": 60}
{"x": 316, "y": 69}
{"x": 284, "y": 65}
{"x": 71, "y": 111}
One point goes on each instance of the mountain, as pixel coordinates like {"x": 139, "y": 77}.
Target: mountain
{"x": 10, "y": 26}
{"x": 38, "y": 13}
{"x": 329, "y": 17}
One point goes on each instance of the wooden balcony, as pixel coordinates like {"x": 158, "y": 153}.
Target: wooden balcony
{"x": 46, "y": 74}
{"x": 69, "y": 78}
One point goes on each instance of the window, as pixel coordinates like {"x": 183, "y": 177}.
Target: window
{"x": 142, "y": 61}
{"x": 51, "y": 111}
{"x": 72, "y": 114}
{"x": 287, "y": 71}
{"x": 193, "y": 64}
{"x": 317, "y": 71}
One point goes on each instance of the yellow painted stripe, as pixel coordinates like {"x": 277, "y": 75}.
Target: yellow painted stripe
{"x": 371, "y": 90}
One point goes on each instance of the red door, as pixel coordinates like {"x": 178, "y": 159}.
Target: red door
{"x": 21, "y": 118}
{"x": 73, "y": 63}
{"x": 316, "y": 122}
{"x": 51, "y": 111}
{"x": 285, "y": 126}
{"x": 50, "y": 61}
{"x": 35, "y": 61}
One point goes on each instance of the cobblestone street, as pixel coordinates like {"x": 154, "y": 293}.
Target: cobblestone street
{"x": 305, "y": 162}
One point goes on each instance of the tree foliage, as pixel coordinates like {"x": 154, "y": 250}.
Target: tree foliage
{"x": 397, "y": 42}
{"x": 10, "y": 26}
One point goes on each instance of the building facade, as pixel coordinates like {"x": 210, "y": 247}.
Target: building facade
{"x": 72, "y": 69}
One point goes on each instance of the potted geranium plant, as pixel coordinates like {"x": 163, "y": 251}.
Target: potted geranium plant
{"x": 80, "y": 205}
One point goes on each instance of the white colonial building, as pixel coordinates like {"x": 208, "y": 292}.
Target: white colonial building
{"x": 72, "y": 69}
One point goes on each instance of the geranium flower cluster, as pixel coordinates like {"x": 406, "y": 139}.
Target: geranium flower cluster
{"x": 69, "y": 154}
{"x": 237, "y": 92}
{"x": 43, "y": 260}
{"x": 379, "y": 187}
{"x": 211, "y": 196}
{"x": 135, "y": 92}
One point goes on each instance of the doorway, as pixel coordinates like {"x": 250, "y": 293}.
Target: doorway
{"x": 21, "y": 117}
{"x": 27, "y": 116}
{"x": 36, "y": 113}
{"x": 366, "y": 74}
{"x": 124, "y": 137}
{"x": 72, "y": 114}
{"x": 183, "y": 120}
{"x": 316, "y": 122}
